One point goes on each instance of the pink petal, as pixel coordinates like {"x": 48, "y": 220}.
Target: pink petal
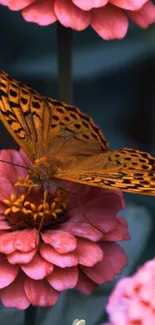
{"x": 8, "y": 272}
{"x": 38, "y": 268}
{"x": 100, "y": 208}
{"x": 128, "y": 4}
{"x": 20, "y": 257}
{"x": 41, "y": 12}
{"x": 2, "y": 209}
{"x": 4, "y": 225}
{"x": 145, "y": 16}
{"x": 14, "y": 295}
{"x": 89, "y": 4}
{"x": 7, "y": 242}
{"x": 6, "y": 188}
{"x": 9, "y": 173}
{"x": 113, "y": 262}
{"x": 119, "y": 233}
{"x": 71, "y": 16}
{"x": 63, "y": 279}
{"x": 100, "y": 273}
{"x": 18, "y": 5}
{"x": 66, "y": 260}
{"x": 4, "y": 2}
{"x": 22, "y": 240}
{"x": 109, "y": 22}
{"x": 62, "y": 241}
{"x": 40, "y": 293}
{"x": 89, "y": 253}
{"x": 85, "y": 285}
{"x": 27, "y": 240}
{"x": 115, "y": 254}
{"x": 78, "y": 226}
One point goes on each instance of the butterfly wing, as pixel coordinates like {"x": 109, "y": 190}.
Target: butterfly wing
{"x": 24, "y": 113}
{"x": 127, "y": 170}
{"x": 43, "y": 126}
{"x": 73, "y": 132}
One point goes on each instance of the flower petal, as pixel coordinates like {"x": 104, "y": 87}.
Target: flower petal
{"x": 26, "y": 240}
{"x": 128, "y": 4}
{"x": 85, "y": 285}
{"x": 14, "y": 295}
{"x": 113, "y": 262}
{"x": 38, "y": 268}
{"x": 62, "y": 241}
{"x": 63, "y": 279}
{"x": 20, "y": 257}
{"x": 66, "y": 260}
{"x": 78, "y": 226}
{"x": 9, "y": 173}
{"x": 18, "y": 5}
{"x": 110, "y": 22}
{"x": 8, "y": 272}
{"x": 4, "y": 2}
{"x": 100, "y": 207}
{"x": 71, "y": 16}
{"x": 40, "y": 293}
{"x": 40, "y": 12}
{"x": 7, "y": 242}
{"x": 89, "y": 4}
{"x": 115, "y": 254}
{"x": 89, "y": 253}
{"x": 119, "y": 233}
{"x": 4, "y": 225}
{"x": 145, "y": 16}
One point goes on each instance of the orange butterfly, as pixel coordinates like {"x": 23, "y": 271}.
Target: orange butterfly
{"x": 64, "y": 143}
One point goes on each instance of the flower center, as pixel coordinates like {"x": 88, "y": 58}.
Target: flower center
{"x": 33, "y": 207}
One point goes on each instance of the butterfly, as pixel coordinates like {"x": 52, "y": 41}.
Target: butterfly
{"x": 65, "y": 144}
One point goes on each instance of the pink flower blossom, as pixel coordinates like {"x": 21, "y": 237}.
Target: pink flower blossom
{"x": 132, "y": 301}
{"x": 108, "y": 18}
{"x": 67, "y": 251}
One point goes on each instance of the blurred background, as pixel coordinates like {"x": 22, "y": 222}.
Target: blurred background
{"x": 114, "y": 82}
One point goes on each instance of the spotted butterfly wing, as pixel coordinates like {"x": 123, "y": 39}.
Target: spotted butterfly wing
{"x": 43, "y": 126}
{"x": 128, "y": 170}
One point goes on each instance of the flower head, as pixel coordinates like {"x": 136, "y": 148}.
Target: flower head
{"x": 108, "y": 18}
{"x": 51, "y": 243}
{"x": 132, "y": 301}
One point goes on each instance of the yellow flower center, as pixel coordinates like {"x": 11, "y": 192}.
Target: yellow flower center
{"x": 34, "y": 207}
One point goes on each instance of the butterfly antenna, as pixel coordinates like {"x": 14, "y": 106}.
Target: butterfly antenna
{"x": 80, "y": 205}
{"x": 8, "y": 162}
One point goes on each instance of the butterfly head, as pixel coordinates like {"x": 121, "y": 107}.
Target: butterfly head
{"x": 41, "y": 171}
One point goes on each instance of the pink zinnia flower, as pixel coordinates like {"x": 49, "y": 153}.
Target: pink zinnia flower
{"x": 46, "y": 250}
{"x": 133, "y": 299}
{"x": 108, "y": 18}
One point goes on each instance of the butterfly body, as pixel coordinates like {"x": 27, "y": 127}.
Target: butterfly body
{"x": 65, "y": 144}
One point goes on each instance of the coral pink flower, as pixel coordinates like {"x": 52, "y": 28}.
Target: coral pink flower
{"x": 132, "y": 301}
{"x": 108, "y": 18}
{"x": 46, "y": 249}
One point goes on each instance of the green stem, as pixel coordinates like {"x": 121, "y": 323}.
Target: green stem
{"x": 30, "y": 315}
{"x": 64, "y": 62}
